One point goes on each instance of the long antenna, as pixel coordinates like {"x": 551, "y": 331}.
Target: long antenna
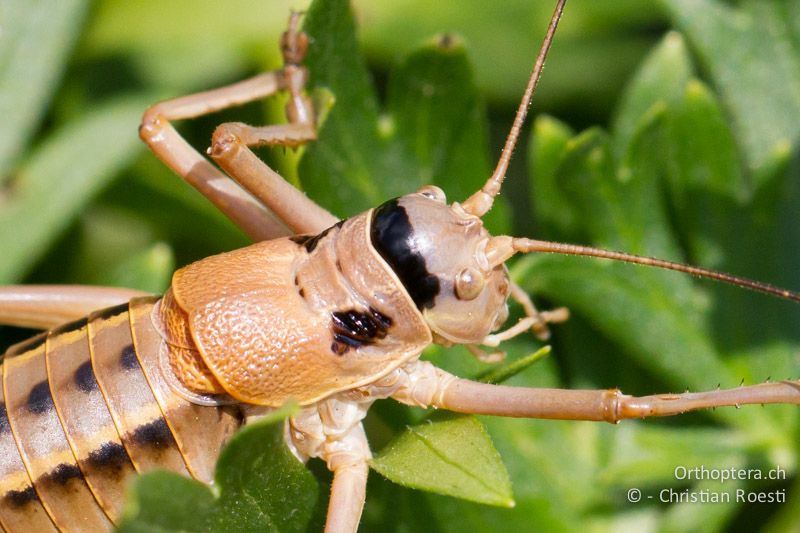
{"x": 481, "y": 202}
{"x": 531, "y": 245}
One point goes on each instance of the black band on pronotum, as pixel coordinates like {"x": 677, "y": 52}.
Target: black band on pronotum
{"x": 393, "y": 237}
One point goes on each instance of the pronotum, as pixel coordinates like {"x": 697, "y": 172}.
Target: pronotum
{"x": 141, "y": 384}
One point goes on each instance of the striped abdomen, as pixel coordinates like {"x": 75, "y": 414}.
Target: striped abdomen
{"x": 82, "y": 408}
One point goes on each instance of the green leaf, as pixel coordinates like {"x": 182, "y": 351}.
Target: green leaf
{"x": 348, "y": 157}
{"x": 549, "y": 138}
{"x": 260, "y": 486}
{"x": 220, "y": 43}
{"x": 449, "y": 454}
{"x": 607, "y": 37}
{"x": 749, "y": 50}
{"x": 36, "y": 40}
{"x": 149, "y": 270}
{"x": 438, "y": 119}
{"x": 704, "y": 170}
{"x": 163, "y": 501}
{"x": 511, "y": 369}
{"x": 433, "y": 130}
{"x": 659, "y": 80}
{"x": 649, "y": 455}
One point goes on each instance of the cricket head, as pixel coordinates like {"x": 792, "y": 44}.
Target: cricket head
{"x": 443, "y": 255}
{"x": 439, "y": 253}
{"x": 455, "y": 271}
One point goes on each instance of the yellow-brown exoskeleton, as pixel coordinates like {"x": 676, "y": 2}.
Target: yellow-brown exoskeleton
{"x": 331, "y": 314}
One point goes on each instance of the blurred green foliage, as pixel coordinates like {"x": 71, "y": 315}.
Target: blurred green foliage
{"x": 695, "y": 159}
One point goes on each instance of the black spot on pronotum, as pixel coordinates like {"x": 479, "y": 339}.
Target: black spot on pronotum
{"x": 383, "y": 320}
{"x": 300, "y": 239}
{"x": 39, "y": 399}
{"x": 311, "y": 242}
{"x": 393, "y": 237}
{"x": 110, "y": 456}
{"x": 20, "y": 498}
{"x": 300, "y": 290}
{"x": 155, "y": 434}
{"x": 75, "y": 325}
{"x": 105, "y": 314}
{"x": 84, "y": 377}
{"x": 4, "y": 427}
{"x": 127, "y": 358}
{"x": 62, "y": 474}
{"x": 354, "y": 329}
{"x": 338, "y": 348}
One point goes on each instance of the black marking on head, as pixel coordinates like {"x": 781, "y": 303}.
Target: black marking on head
{"x": 127, "y": 358}
{"x": 311, "y": 242}
{"x": 20, "y": 498}
{"x": 28, "y": 345}
{"x": 39, "y": 399}
{"x": 62, "y": 474}
{"x": 4, "y": 426}
{"x": 75, "y": 325}
{"x": 110, "y": 456}
{"x": 84, "y": 377}
{"x": 393, "y": 237}
{"x": 354, "y": 329}
{"x": 155, "y": 434}
{"x": 105, "y": 314}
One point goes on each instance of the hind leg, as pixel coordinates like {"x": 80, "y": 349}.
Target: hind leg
{"x": 47, "y": 306}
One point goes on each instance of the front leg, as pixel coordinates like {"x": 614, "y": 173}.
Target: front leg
{"x": 428, "y": 386}
{"x": 347, "y": 459}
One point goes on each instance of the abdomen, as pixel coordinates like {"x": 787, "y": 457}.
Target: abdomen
{"x": 85, "y": 406}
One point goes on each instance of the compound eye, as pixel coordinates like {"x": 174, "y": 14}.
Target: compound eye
{"x": 434, "y": 193}
{"x": 469, "y": 284}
